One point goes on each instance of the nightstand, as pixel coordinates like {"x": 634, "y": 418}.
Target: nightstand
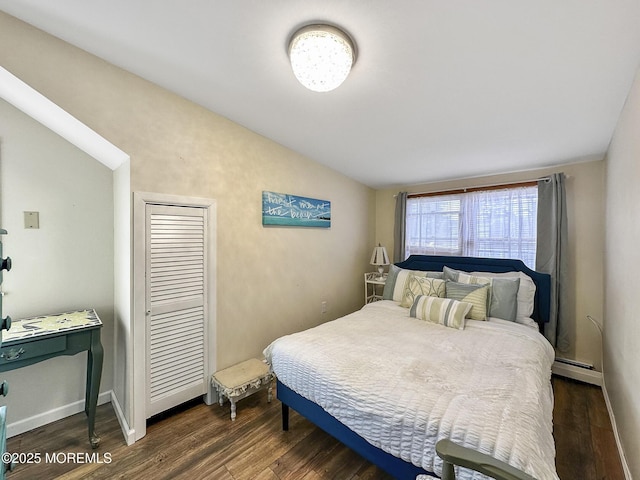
{"x": 373, "y": 286}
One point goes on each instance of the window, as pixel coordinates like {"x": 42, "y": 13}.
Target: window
{"x": 498, "y": 223}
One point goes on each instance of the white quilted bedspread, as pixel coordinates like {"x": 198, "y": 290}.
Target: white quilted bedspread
{"x": 403, "y": 384}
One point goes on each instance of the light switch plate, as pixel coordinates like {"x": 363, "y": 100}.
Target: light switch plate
{"x": 31, "y": 219}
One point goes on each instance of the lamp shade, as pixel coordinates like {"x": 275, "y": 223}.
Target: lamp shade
{"x": 379, "y": 257}
{"x": 321, "y": 56}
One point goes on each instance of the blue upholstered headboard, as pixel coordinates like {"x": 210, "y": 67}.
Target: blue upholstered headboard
{"x": 542, "y": 305}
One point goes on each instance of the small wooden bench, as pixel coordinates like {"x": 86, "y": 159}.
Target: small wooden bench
{"x": 241, "y": 380}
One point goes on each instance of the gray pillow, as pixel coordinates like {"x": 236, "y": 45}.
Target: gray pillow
{"x": 390, "y": 283}
{"x": 504, "y": 298}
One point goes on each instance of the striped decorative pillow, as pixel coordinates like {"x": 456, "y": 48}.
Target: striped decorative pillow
{"x": 476, "y": 295}
{"x": 503, "y": 292}
{"x": 418, "y": 285}
{"x": 443, "y": 311}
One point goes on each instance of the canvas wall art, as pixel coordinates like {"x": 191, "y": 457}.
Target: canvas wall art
{"x": 283, "y": 209}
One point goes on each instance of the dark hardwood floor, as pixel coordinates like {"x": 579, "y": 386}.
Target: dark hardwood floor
{"x": 201, "y": 442}
{"x": 585, "y": 445}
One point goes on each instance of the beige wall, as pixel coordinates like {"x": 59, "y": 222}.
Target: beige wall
{"x": 66, "y": 264}
{"x": 622, "y": 255}
{"x": 585, "y": 210}
{"x": 270, "y": 281}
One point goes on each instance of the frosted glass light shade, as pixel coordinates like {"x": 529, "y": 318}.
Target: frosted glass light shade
{"x": 321, "y": 56}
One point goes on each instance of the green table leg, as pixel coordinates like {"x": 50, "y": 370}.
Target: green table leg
{"x": 94, "y": 374}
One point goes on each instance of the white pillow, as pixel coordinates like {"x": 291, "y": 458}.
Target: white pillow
{"x": 526, "y": 291}
{"x": 529, "y": 322}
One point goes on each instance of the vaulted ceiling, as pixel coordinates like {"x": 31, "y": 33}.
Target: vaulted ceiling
{"x": 441, "y": 89}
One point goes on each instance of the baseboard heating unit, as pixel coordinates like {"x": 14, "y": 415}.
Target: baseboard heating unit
{"x": 576, "y": 370}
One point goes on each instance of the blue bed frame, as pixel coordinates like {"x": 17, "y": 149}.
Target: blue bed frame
{"x": 397, "y": 467}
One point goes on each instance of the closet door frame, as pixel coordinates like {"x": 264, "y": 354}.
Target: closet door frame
{"x": 137, "y": 347}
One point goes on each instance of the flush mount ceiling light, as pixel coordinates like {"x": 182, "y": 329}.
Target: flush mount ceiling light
{"x": 321, "y": 56}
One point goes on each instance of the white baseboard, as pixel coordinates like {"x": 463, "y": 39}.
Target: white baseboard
{"x": 577, "y": 373}
{"x": 22, "y": 426}
{"x": 129, "y": 433}
{"x": 623, "y": 458}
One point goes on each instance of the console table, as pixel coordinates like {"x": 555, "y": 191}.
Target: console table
{"x": 32, "y": 340}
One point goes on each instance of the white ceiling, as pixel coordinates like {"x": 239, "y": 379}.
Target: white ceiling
{"x": 441, "y": 89}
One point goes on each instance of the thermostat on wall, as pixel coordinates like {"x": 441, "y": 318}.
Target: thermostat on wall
{"x": 31, "y": 219}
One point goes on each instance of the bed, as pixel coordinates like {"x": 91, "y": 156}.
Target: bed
{"x": 391, "y": 385}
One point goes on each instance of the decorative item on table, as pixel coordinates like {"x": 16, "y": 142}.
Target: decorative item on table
{"x": 380, "y": 259}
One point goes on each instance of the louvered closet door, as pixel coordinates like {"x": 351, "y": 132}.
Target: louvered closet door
{"x": 176, "y": 305}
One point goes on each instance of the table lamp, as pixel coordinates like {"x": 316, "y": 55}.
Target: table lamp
{"x": 380, "y": 259}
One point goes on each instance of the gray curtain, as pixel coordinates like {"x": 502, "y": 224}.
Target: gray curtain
{"x": 552, "y": 255}
{"x": 399, "y": 227}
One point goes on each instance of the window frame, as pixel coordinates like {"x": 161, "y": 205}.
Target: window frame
{"x": 466, "y": 243}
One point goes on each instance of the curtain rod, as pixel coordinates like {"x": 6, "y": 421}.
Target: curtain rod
{"x": 480, "y": 187}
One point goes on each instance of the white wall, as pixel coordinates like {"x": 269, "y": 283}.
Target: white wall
{"x": 122, "y": 355}
{"x": 622, "y": 283}
{"x": 66, "y": 264}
